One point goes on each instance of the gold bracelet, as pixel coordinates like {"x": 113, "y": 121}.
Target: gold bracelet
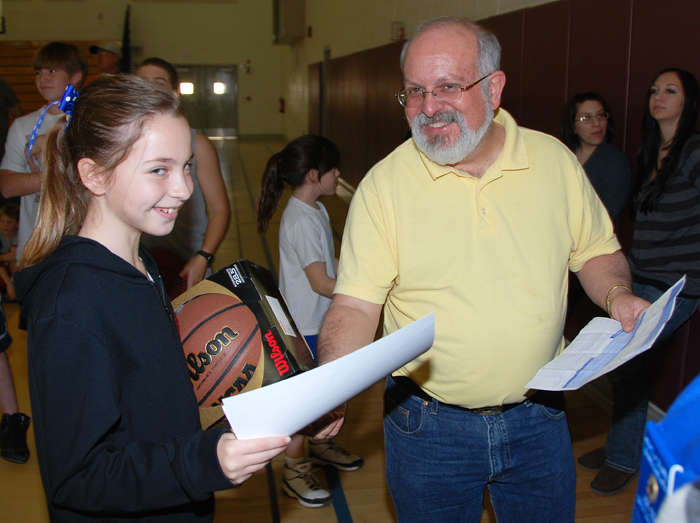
{"x": 607, "y": 298}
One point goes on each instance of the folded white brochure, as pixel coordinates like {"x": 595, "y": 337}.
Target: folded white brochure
{"x": 602, "y": 346}
{"x": 285, "y": 407}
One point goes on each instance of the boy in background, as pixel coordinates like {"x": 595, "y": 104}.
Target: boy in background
{"x": 56, "y": 65}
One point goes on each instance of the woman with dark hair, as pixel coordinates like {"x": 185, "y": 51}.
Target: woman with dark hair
{"x": 666, "y": 246}
{"x": 587, "y": 128}
{"x": 308, "y": 266}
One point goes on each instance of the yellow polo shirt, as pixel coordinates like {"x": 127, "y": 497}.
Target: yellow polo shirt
{"x": 490, "y": 257}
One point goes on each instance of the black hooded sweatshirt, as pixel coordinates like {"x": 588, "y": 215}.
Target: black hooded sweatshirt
{"x": 116, "y": 422}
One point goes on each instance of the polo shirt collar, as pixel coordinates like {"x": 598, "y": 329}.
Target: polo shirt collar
{"x": 435, "y": 170}
{"x": 513, "y": 157}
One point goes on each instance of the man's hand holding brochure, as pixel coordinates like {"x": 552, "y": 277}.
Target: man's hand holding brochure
{"x": 602, "y": 346}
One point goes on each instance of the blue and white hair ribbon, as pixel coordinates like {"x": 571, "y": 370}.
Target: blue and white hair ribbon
{"x": 65, "y": 104}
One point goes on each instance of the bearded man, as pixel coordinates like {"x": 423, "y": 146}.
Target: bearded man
{"x": 478, "y": 221}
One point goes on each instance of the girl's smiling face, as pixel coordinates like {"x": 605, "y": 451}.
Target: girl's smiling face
{"x": 153, "y": 182}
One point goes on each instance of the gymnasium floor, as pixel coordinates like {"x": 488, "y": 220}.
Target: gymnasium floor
{"x": 360, "y": 496}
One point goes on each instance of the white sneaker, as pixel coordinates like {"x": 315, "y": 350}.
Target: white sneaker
{"x": 326, "y": 452}
{"x": 299, "y": 482}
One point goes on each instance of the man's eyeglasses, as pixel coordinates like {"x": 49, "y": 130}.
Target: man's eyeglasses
{"x": 588, "y": 120}
{"x": 443, "y": 94}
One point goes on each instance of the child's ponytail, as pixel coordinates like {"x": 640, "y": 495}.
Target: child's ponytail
{"x": 290, "y": 166}
{"x": 64, "y": 199}
{"x": 271, "y": 188}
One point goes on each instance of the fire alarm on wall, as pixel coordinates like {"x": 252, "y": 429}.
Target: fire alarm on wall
{"x": 398, "y": 31}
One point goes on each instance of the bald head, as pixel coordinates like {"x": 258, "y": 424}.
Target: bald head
{"x": 488, "y": 50}
{"x": 444, "y": 54}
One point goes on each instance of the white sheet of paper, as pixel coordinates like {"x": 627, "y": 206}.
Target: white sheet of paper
{"x": 285, "y": 407}
{"x": 602, "y": 346}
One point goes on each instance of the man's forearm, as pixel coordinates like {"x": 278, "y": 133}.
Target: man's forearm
{"x": 602, "y": 273}
{"x": 608, "y": 282}
{"x": 346, "y": 328}
{"x": 19, "y": 184}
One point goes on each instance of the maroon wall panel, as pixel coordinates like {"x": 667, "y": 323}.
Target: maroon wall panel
{"x": 599, "y": 55}
{"x": 664, "y": 34}
{"x": 508, "y": 28}
{"x": 545, "y": 49}
{"x": 315, "y": 98}
{"x": 363, "y": 116}
{"x": 346, "y": 112}
{"x": 385, "y": 114}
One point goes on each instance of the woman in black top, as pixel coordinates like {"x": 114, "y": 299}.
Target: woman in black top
{"x": 666, "y": 247}
{"x": 587, "y": 129}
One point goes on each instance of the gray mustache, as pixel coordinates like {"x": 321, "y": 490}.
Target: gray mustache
{"x": 442, "y": 117}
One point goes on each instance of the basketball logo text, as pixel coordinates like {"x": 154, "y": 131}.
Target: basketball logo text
{"x": 199, "y": 362}
{"x": 280, "y": 363}
{"x": 239, "y": 383}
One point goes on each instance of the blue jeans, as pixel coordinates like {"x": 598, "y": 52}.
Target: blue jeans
{"x": 311, "y": 342}
{"x": 631, "y": 387}
{"x": 439, "y": 459}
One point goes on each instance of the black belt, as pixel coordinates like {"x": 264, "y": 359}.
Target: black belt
{"x": 410, "y": 387}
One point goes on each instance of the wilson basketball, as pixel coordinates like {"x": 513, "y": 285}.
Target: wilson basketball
{"x": 223, "y": 347}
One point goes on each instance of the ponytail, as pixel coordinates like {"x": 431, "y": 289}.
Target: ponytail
{"x": 271, "y": 188}
{"x": 64, "y": 200}
{"x": 290, "y": 166}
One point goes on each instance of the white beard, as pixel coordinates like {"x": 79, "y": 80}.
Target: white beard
{"x": 438, "y": 150}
